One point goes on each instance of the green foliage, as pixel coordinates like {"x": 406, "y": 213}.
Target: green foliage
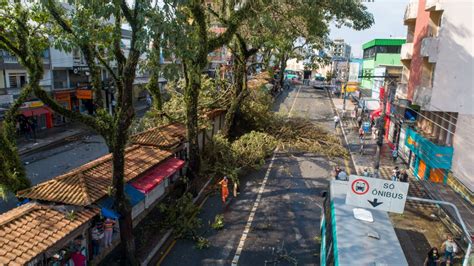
{"x": 202, "y": 242}
{"x": 251, "y": 149}
{"x": 181, "y": 216}
{"x": 218, "y": 223}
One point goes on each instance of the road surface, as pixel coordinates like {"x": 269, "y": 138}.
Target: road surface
{"x": 279, "y": 207}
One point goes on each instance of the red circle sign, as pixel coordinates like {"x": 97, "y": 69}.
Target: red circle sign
{"x": 360, "y": 186}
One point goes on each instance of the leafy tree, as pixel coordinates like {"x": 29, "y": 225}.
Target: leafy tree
{"x": 190, "y": 19}
{"x": 95, "y": 28}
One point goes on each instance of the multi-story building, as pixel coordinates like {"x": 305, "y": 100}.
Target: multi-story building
{"x": 13, "y": 77}
{"x": 381, "y": 57}
{"x": 340, "y": 50}
{"x": 437, "y": 88}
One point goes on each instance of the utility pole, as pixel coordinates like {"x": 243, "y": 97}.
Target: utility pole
{"x": 345, "y": 86}
{"x": 390, "y": 88}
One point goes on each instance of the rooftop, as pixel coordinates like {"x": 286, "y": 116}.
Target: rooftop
{"x": 87, "y": 184}
{"x": 387, "y": 42}
{"x": 164, "y": 137}
{"x": 31, "y": 229}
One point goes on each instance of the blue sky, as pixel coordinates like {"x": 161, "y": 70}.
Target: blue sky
{"x": 388, "y": 16}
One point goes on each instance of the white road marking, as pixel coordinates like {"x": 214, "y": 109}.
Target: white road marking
{"x": 246, "y": 231}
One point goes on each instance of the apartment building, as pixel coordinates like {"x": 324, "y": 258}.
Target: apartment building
{"x": 437, "y": 87}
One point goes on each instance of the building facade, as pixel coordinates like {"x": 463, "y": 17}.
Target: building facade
{"x": 437, "y": 88}
{"x": 341, "y": 50}
{"x": 381, "y": 57}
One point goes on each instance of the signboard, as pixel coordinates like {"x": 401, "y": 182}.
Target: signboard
{"x": 84, "y": 94}
{"x": 351, "y": 87}
{"x": 377, "y": 194}
{"x": 32, "y": 104}
{"x": 354, "y": 72}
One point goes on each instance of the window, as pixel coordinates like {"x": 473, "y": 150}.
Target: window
{"x": 17, "y": 80}
{"x": 388, "y": 49}
{"x": 369, "y": 52}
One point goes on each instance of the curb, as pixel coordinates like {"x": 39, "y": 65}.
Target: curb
{"x": 52, "y": 144}
{"x": 343, "y": 131}
{"x": 168, "y": 233}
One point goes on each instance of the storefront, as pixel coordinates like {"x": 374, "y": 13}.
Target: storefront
{"x": 84, "y": 96}
{"x": 155, "y": 182}
{"x": 38, "y": 113}
{"x": 430, "y": 161}
{"x": 63, "y": 98}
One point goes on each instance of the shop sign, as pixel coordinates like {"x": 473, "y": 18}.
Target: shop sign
{"x": 435, "y": 156}
{"x": 84, "y": 94}
{"x": 377, "y": 194}
{"x": 77, "y": 69}
{"x": 32, "y": 104}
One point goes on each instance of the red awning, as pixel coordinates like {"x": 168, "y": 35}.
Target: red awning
{"x": 36, "y": 111}
{"x": 375, "y": 114}
{"x": 153, "y": 178}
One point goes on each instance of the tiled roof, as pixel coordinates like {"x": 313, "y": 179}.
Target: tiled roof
{"x": 31, "y": 229}
{"x": 214, "y": 113}
{"x": 90, "y": 182}
{"x": 165, "y": 137}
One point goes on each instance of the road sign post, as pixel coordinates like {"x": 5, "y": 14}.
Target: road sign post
{"x": 377, "y": 194}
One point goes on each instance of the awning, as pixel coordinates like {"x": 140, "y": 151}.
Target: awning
{"x": 36, "y": 111}
{"x": 153, "y": 178}
{"x": 375, "y": 114}
{"x": 107, "y": 204}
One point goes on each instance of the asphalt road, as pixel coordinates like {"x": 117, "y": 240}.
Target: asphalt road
{"x": 284, "y": 208}
{"x": 44, "y": 165}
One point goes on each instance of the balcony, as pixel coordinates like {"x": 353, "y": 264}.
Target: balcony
{"x": 433, "y": 5}
{"x": 402, "y": 91}
{"x": 429, "y": 49}
{"x": 406, "y": 51}
{"x": 411, "y": 12}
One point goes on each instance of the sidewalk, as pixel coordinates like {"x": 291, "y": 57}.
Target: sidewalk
{"x": 417, "y": 188}
{"x": 51, "y": 137}
{"x": 56, "y": 136}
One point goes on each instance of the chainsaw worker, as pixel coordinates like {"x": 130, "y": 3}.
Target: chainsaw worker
{"x": 224, "y": 190}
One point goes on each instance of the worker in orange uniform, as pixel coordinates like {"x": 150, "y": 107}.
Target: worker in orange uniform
{"x": 224, "y": 190}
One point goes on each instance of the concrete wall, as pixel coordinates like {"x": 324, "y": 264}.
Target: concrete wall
{"x": 463, "y": 143}
{"x": 60, "y": 59}
{"x": 416, "y": 66}
{"x": 453, "y": 86}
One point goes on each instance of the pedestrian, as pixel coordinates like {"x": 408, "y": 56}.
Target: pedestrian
{"x": 108, "y": 230}
{"x": 224, "y": 189}
{"x": 366, "y": 172}
{"x": 336, "y": 121}
{"x": 394, "y": 176}
{"x": 450, "y": 248}
{"x": 78, "y": 258}
{"x": 97, "y": 236}
{"x": 394, "y": 154}
{"x": 34, "y": 125}
{"x": 432, "y": 259}
{"x": 337, "y": 170}
{"x": 374, "y": 132}
{"x": 361, "y": 133}
{"x": 148, "y": 100}
{"x": 342, "y": 175}
{"x": 359, "y": 121}
{"x": 404, "y": 176}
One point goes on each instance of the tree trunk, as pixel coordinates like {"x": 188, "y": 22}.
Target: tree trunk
{"x": 154, "y": 89}
{"x": 121, "y": 202}
{"x": 191, "y": 95}
{"x": 282, "y": 70}
{"x": 238, "y": 95}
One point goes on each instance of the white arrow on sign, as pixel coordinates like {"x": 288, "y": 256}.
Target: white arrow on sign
{"x": 377, "y": 194}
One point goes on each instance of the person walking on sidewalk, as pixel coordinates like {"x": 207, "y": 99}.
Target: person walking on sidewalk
{"x": 224, "y": 189}
{"x": 432, "y": 259}
{"x": 108, "y": 230}
{"x": 366, "y": 172}
{"x": 450, "y": 248}
{"x": 337, "y": 170}
{"x": 336, "y": 121}
{"x": 342, "y": 175}
{"x": 395, "y": 174}
{"x": 359, "y": 121}
{"x": 394, "y": 154}
{"x": 404, "y": 176}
